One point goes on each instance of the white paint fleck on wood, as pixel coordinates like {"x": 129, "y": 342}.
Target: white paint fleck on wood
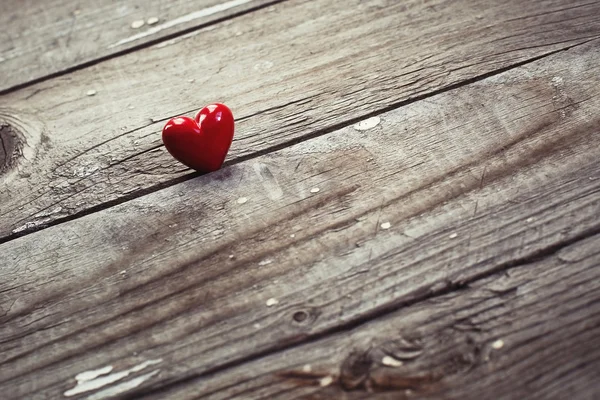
{"x": 93, "y": 374}
{"x": 315, "y": 190}
{"x": 386, "y": 225}
{"x": 498, "y": 344}
{"x": 122, "y": 387}
{"x": 137, "y": 24}
{"x": 242, "y": 200}
{"x": 389, "y": 361}
{"x": 326, "y": 381}
{"x": 152, "y": 21}
{"x": 101, "y": 381}
{"x": 367, "y": 124}
{"x": 181, "y": 20}
{"x": 272, "y": 302}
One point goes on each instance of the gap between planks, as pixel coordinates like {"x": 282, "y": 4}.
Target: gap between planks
{"x": 137, "y": 47}
{"x": 372, "y": 316}
{"x": 278, "y": 147}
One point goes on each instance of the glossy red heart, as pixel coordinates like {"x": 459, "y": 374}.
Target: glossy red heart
{"x": 201, "y": 143}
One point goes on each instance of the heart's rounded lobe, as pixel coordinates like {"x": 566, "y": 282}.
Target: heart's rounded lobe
{"x": 201, "y": 143}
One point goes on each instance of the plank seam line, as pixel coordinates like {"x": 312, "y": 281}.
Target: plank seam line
{"x": 137, "y": 47}
{"x": 375, "y": 314}
{"x": 281, "y": 146}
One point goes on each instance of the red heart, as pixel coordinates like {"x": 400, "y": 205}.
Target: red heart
{"x": 201, "y": 143}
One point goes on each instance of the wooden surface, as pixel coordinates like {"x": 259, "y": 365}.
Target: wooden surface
{"x": 40, "y": 39}
{"x": 524, "y": 332}
{"x": 429, "y": 195}
{"x": 287, "y": 74}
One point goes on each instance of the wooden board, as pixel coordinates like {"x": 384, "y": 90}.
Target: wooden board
{"x": 279, "y": 73}
{"x": 309, "y": 240}
{"x": 44, "y": 38}
{"x": 529, "y": 331}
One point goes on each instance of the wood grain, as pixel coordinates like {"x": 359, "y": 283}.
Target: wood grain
{"x": 43, "y": 38}
{"x": 309, "y": 240}
{"x": 530, "y": 331}
{"x": 287, "y": 74}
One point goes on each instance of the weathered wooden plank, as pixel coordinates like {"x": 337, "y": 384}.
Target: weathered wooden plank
{"x": 42, "y": 38}
{"x": 286, "y": 74}
{"x": 331, "y": 231}
{"x": 528, "y": 332}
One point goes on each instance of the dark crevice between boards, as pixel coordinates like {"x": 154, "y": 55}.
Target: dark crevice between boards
{"x": 317, "y": 133}
{"x": 369, "y": 317}
{"x": 140, "y": 46}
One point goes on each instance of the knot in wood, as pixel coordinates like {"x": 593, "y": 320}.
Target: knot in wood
{"x": 355, "y": 370}
{"x": 300, "y": 316}
{"x": 11, "y": 147}
{"x": 305, "y": 316}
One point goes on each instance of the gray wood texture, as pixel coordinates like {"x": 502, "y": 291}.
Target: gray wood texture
{"x": 529, "y": 331}
{"x": 42, "y": 38}
{"x": 289, "y": 73}
{"x": 202, "y": 276}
